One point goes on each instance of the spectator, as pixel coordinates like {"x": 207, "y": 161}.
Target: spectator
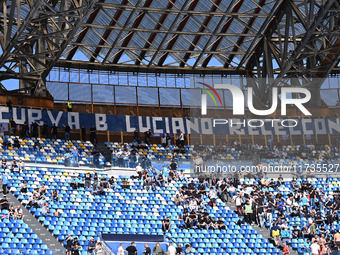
{"x": 112, "y": 182}
{"x": 69, "y": 106}
{"x": 147, "y": 250}
{"x": 13, "y": 126}
{"x": 164, "y": 140}
{"x": 19, "y": 213}
{"x": 9, "y": 106}
{"x": 11, "y": 212}
{"x": 4, "y": 204}
{"x": 69, "y": 243}
{"x": 55, "y": 196}
{"x": 75, "y": 156}
{"x": 6, "y": 143}
{"x": 166, "y": 225}
{"x": 157, "y": 250}
{"x": 131, "y": 250}
{"x": 315, "y": 248}
{"x": 120, "y": 250}
{"x": 87, "y": 180}
{"x": 4, "y": 181}
{"x": 285, "y": 249}
{"x": 67, "y": 132}
{"x": 14, "y": 166}
{"x": 2, "y": 131}
{"x": 76, "y": 246}
{"x": 54, "y": 132}
{"x": 171, "y": 249}
{"x": 100, "y": 249}
{"x": 93, "y": 136}
{"x": 148, "y": 135}
{"x": 26, "y": 130}
{"x": 91, "y": 247}
{"x": 44, "y": 130}
{"x": 83, "y": 133}
{"x": 21, "y": 165}
{"x": 179, "y": 249}
{"x": 96, "y": 155}
{"x": 23, "y": 187}
{"x": 168, "y": 140}
{"x": 139, "y": 170}
{"x": 34, "y": 128}
{"x": 136, "y": 135}
{"x": 45, "y": 210}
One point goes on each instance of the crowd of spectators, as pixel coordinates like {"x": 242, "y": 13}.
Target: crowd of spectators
{"x": 263, "y": 203}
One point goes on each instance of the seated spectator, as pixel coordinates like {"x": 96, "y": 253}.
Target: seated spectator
{"x": 23, "y": 187}
{"x": 166, "y": 225}
{"x": 99, "y": 249}
{"x": 45, "y": 210}
{"x": 112, "y": 182}
{"x": 4, "y": 204}
{"x": 14, "y": 166}
{"x": 21, "y": 165}
{"x": 16, "y": 143}
{"x": 139, "y": 170}
{"x": 125, "y": 184}
{"x": 3, "y": 163}
{"x": 55, "y": 195}
{"x": 220, "y": 224}
{"x": 19, "y": 213}
{"x": 104, "y": 183}
{"x": 179, "y": 249}
{"x": 160, "y": 181}
{"x": 11, "y": 212}
{"x": 178, "y": 200}
{"x": 43, "y": 190}
{"x": 33, "y": 202}
{"x": 7, "y": 143}
{"x": 74, "y": 183}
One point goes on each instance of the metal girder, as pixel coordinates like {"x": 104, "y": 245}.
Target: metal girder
{"x": 41, "y": 38}
{"x": 107, "y": 32}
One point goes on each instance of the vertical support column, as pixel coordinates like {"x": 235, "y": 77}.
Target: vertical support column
{"x": 121, "y": 137}
{"x": 265, "y": 141}
{"x": 214, "y": 140}
{"x": 108, "y": 135}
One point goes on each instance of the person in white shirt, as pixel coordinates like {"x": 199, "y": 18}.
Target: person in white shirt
{"x": 171, "y": 249}
{"x": 212, "y": 193}
{"x": 139, "y": 170}
{"x": 120, "y": 250}
{"x": 315, "y": 248}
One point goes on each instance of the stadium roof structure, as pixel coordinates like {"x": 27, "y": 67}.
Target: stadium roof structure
{"x": 278, "y": 40}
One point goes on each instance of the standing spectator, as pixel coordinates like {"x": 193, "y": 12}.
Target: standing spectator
{"x": 157, "y": 250}
{"x": 147, "y": 250}
{"x": 91, "y": 247}
{"x": 2, "y": 131}
{"x": 4, "y": 181}
{"x": 67, "y": 132}
{"x": 93, "y": 136}
{"x": 44, "y": 130}
{"x": 136, "y": 135}
{"x": 54, "y": 131}
{"x": 13, "y": 126}
{"x": 148, "y": 135}
{"x": 76, "y": 246}
{"x": 120, "y": 250}
{"x": 315, "y": 248}
{"x": 99, "y": 249}
{"x": 34, "y": 128}
{"x": 95, "y": 178}
{"x": 139, "y": 170}
{"x": 26, "y": 130}
{"x": 83, "y": 133}
{"x": 131, "y": 250}
{"x": 285, "y": 249}
{"x": 164, "y": 140}
{"x": 181, "y": 139}
{"x": 168, "y": 140}
{"x": 171, "y": 249}
{"x": 4, "y": 204}
{"x": 75, "y": 156}
{"x": 69, "y": 106}
{"x": 69, "y": 242}
{"x": 87, "y": 180}
{"x": 96, "y": 155}
{"x": 9, "y": 106}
